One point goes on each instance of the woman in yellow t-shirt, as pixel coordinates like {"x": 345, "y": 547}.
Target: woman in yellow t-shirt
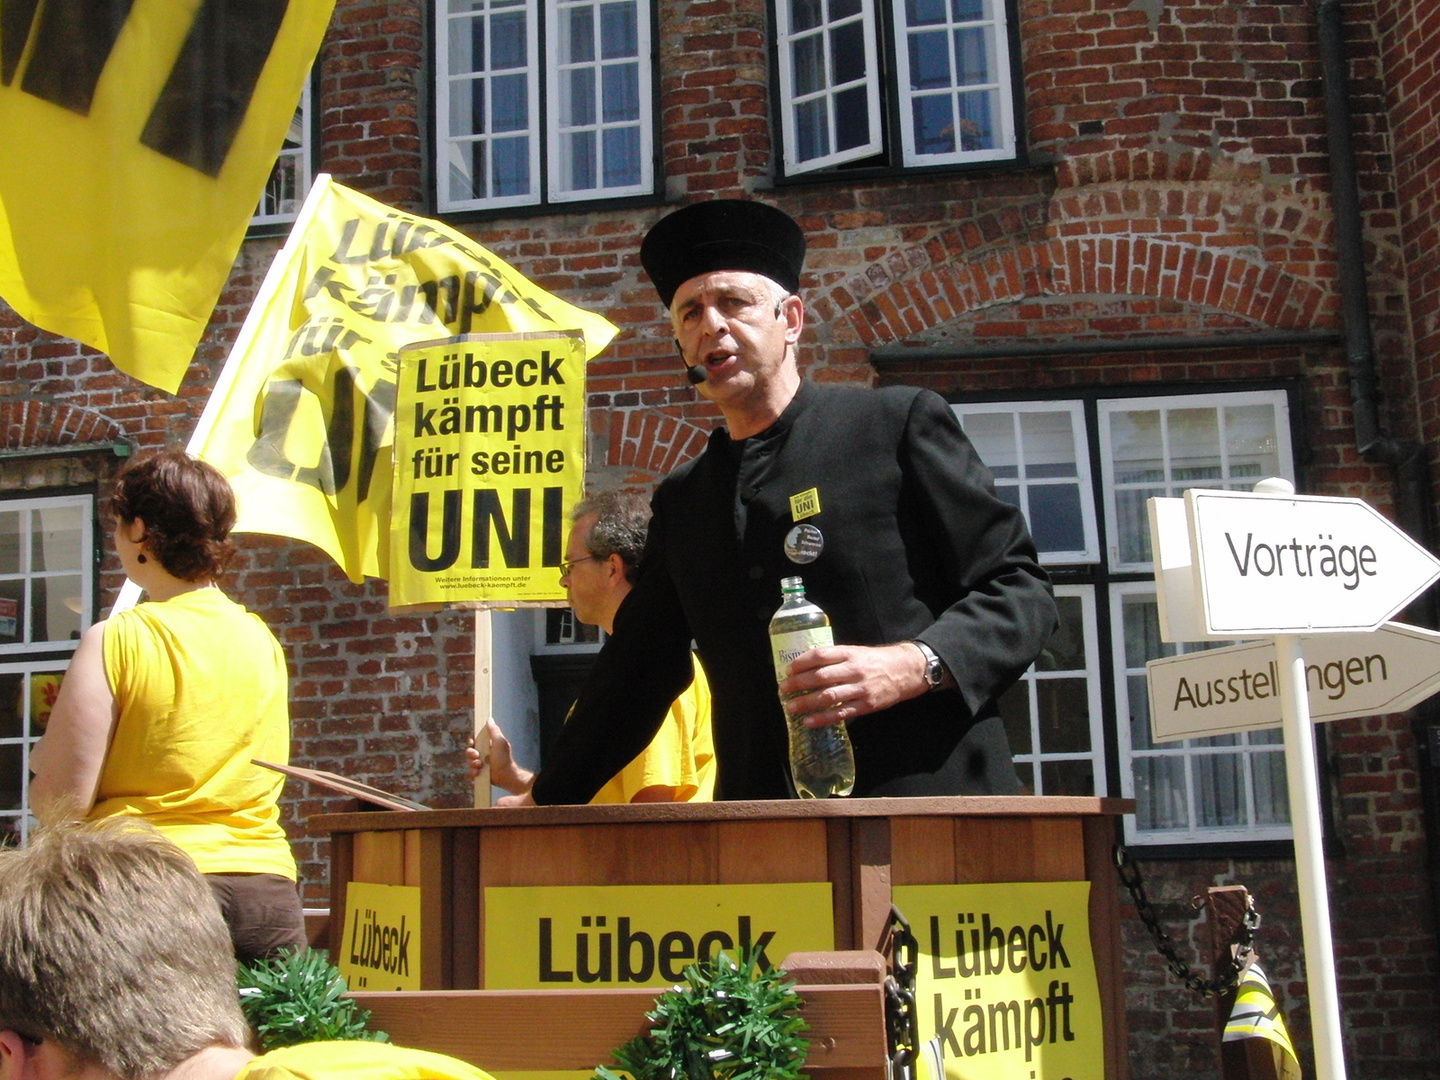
{"x": 165, "y": 706}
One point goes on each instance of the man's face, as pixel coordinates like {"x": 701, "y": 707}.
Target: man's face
{"x": 726, "y": 321}
{"x": 589, "y": 583}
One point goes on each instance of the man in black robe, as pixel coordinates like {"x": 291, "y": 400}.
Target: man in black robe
{"x": 874, "y": 497}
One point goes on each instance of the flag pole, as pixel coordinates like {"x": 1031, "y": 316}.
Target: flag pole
{"x": 129, "y": 594}
{"x": 484, "y": 699}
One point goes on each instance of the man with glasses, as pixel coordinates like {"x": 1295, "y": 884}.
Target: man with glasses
{"x": 873, "y": 496}
{"x": 601, "y": 553}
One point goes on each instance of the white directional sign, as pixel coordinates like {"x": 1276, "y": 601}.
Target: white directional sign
{"x": 1220, "y": 691}
{"x": 1300, "y": 564}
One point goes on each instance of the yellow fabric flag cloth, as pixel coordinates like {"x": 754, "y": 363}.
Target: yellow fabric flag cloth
{"x": 137, "y": 139}
{"x": 302, "y": 418}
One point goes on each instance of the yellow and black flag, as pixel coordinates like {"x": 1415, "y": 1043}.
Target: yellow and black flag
{"x": 136, "y": 137}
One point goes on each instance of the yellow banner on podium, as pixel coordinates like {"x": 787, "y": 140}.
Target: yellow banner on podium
{"x": 1006, "y": 984}
{"x": 489, "y": 454}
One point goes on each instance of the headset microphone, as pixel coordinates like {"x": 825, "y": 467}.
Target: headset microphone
{"x": 694, "y": 372}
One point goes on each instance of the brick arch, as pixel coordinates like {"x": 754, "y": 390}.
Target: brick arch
{"x": 1089, "y": 265}
{"x": 38, "y": 425}
{"x": 652, "y": 441}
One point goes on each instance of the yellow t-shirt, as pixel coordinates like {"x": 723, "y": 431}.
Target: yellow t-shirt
{"x": 681, "y": 756}
{"x": 356, "y": 1060}
{"x": 202, "y": 689}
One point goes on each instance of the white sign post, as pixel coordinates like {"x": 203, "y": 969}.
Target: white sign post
{"x": 1275, "y": 564}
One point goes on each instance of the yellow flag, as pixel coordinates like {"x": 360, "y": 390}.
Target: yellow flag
{"x": 1256, "y": 1015}
{"x": 302, "y": 418}
{"x": 137, "y": 138}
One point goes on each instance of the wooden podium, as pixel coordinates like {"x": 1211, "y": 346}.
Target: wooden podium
{"x": 861, "y": 847}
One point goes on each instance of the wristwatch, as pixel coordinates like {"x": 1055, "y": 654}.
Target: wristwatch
{"x": 934, "y": 669}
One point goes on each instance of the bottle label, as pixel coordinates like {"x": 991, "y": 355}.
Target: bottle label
{"x": 784, "y": 648}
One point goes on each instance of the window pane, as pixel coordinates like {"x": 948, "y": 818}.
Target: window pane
{"x": 805, "y": 15}
{"x": 924, "y": 12}
{"x": 1160, "y": 794}
{"x": 1272, "y": 789}
{"x": 929, "y": 61}
{"x": 1057, "y": 521}
{"x": 467, "y": 46}
{"x": 852, "y": 118}
{"x": 843, "y": 9}
{"x": 969, "y": 10}
{"x": 9, "y": 542}
{"x": 934, "y": 125}
{"x": 511, "y": 166}
{"x": 510, "y": 107}
{"x": 11, "y": 775}
{"x": 619, "y": 34}
{"x": 1068, "y": 777}
{"x": 1064, "y": 714}
{"x": 467, "y": 107}
{"x": 993, "y": 435}
{"x": 57, "y": 607}
{"x": 809, "y": 59}
{"x": 581, "y": 146}
{"x": 1251, "y": 441}
{"x": 578, "y": 44}
{"x": 847, "y": 53}
{"x": 1014, "y": 707}
{"x": 467, "y": 171}
{"x": 972, "y": 56}
{"x": 978, "y": 127}
{"x": 1065, "y": 651}
{"x": 622, "y": 157}
{"x": 622, "y": 93}
{"x": 507, "y": 41}
{"x": 812, "y": 133}
{"x": 579, "y": 103}
{"x": 12, "y": 694}
{"x": 12, "y": 611}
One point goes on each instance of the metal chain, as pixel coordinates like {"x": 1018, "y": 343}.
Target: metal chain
{"x": 1224, "y": 980}
{"x": 900, "y": 1016}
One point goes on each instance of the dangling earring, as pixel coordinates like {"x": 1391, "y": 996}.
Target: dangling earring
{"x": 141, "y": 557}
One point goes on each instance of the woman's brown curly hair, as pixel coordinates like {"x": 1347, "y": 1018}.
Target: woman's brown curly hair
{"x": 188, "y": 508}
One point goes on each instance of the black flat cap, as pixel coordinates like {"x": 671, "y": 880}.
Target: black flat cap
{"x": 723, "y": 234}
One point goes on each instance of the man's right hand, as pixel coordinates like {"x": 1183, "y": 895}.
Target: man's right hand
{"x": 504, "y": 772}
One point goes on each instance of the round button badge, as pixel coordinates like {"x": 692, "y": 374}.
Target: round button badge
{"x": 803, "y": 544}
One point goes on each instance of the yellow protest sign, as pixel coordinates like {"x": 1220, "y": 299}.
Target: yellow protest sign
{"x": 137, "y": 141}
{"x": 644, "y": 935}
{"x": 302, "y": 419}
{"x": 380, "y": 943}
{"x": 489, "y": 452}
{"x": 1006, "y": 985}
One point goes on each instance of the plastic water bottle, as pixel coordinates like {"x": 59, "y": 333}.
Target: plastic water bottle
{"x": 822, "y": 762}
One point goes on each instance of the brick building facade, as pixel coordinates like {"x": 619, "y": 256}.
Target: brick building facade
{"x": 1167, "y": 228}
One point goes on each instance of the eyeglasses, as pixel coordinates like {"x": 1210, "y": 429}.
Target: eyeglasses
{"x": 567, "y": 567}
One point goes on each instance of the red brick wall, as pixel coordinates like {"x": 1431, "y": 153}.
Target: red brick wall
{"x": 1178, "y": 185}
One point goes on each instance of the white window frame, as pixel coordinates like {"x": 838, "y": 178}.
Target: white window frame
{"x": 1115, "y": 581}
{"x": 295, "y": 153}
{"x": 791, "y": 102}
{"x": 1090, "y": 551}
{"x": 890, "y": 82}
{"x": 555, "y": 140}
{"x": 1000, "y": 86}
{"x": 1245, "y": 746}
{"x": 1030, "y": 681}
{"x": 1170, "y": 487}
{"x": 543, "y": 83}
{"x": 20, "y": 818}
{"x": 26, "y": 572}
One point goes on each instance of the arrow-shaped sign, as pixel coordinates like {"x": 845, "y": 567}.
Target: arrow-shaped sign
{"x": 1300, "y": 564}
{"x": 1219, "y": 691}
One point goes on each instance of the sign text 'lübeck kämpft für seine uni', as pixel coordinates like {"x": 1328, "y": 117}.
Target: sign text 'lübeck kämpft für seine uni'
{"x": 1006, "y": 985}
{"x": 644, "y": 935}
{"x": 489, "y": 452}
{"x": 380, "y": 939}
